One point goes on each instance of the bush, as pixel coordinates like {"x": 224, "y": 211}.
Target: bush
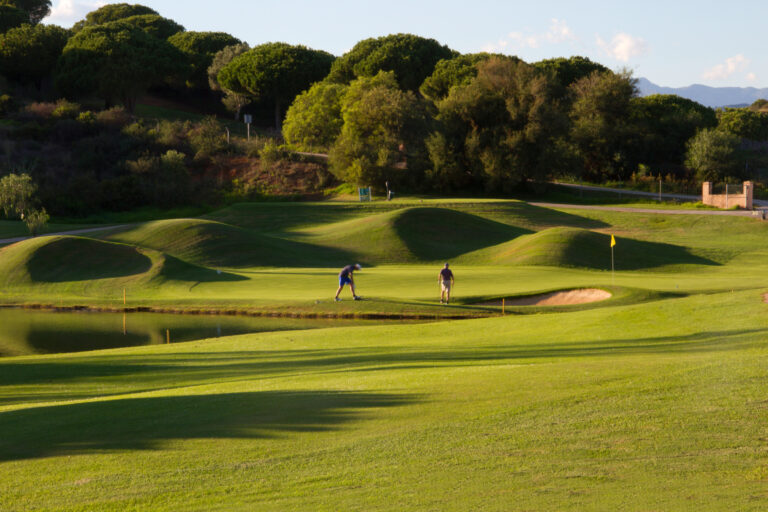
{"x": 66, "y": 110}
{"x": 116, "y": 117}
{"x": 172, "y": 134}
{"x": 86, "y": 117}
{"x": 35, "y": 220}
{"x": 207, "y": 138}
{"x": 271, "y": 153}
{"x": 38, "y": 111}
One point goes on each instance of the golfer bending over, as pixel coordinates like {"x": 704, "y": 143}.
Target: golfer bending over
{"x": 445, "y": 280}
{"x": 345, "y": 277}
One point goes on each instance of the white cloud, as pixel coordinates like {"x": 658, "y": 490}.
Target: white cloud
{"x": 67, "y": 12}
{"x": 558, "y": 32}
{"x": 732, "y": 65}
{"x": 623, "y": 46}
{"x": 751, "y": 77}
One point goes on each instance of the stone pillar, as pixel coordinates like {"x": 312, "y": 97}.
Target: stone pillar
{"x": 706, "y": 193}
{"x": 749, "y": 191}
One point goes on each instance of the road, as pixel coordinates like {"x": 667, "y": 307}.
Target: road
{"x": 651, "y": 195}
{"x": 663, "y": 211}
{"x": 72, "y": 232}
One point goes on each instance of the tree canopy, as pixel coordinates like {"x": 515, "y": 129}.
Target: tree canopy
{"x": 712, "y": 154}
{"x": 11, "y": 17}
{"x": 152, "y": 24}
{"x": 200, "y": 49}
{"x": 384, "y": 128}
{"x": 601, "y": 123}
{"x": 275, "y": 72}
{"x": 28, "y": 54}
{"x": 744, "y": 123}
{"x": 411, "y": 58}
{"x": 116, "y": 61}
{"x": 663, "y": 123}
{"x": 459, "y": 70}
{"x": 313, "y": 121}
{"x": 35, "y": 10}
{"x": 112, "y": 12}
{"x": 498, "y": 130}
{"x": 568, "y": 71}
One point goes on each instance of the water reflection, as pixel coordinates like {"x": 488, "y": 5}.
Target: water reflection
{"x": 24, "y": 332}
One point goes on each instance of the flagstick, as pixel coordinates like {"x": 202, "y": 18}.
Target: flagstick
{"x": 612, "y": 270}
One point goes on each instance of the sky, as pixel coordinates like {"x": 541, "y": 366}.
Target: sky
{"x": 672, "y": 43}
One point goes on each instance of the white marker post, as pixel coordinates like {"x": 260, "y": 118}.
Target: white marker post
{"x": 613, "y": 243}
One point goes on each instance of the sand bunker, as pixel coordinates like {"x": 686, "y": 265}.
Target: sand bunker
{"x": 561, "y": 298}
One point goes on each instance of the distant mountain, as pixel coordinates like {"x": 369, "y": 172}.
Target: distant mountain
{"x": 709, "y": 96}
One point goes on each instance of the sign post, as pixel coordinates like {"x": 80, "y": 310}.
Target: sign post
{"x": 364, "y": 193}
{"x": 248, "y": 118}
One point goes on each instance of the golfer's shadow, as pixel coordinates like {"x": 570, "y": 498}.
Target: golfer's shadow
{"x": 143, "y": 423}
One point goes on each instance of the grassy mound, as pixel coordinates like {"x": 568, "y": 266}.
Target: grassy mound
{"x": 216, "y": 244}
{"x": 413, "y": 235}
{"x": 60, "y": 259}
{"x": 574, "y": 247}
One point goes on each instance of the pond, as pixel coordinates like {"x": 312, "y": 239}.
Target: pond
{"x": 25, "y": 332}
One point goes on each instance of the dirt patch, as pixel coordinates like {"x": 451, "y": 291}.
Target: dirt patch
{"x": 561, "y": 298}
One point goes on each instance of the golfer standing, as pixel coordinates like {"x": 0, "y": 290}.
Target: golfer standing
{"x": 346, "y": 277}
{"x": 445, "y": 280}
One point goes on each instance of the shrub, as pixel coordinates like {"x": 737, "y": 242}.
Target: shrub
{"x": 66, "y": 110}
{"x": 86, "y": 117}
{"x": 38, "y": 111}
{"x": 172, "y": 133}
{"x": 207, "y": 138}
{"x": 35, "y": 220}
{"x": 271, "y": 153}
{"x": 116, "y": 117}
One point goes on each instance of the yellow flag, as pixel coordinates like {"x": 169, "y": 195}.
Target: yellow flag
{"x": 613, "y": 241}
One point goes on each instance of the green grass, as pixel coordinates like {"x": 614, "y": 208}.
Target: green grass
{"x": 651, "y": 400}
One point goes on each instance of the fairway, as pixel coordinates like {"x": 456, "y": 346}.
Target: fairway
{"x": 653, "y": 398}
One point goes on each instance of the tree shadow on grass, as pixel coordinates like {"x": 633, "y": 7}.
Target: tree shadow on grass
{"x": 144, "y": 423}
{"x": 144, "y": 373}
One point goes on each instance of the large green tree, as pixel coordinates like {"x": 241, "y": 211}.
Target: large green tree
{"x": 744, "y": 123}
{"x": 116, "y": 61}
{"x": 275, "y": 72}
{"x": 714, "y": 156}
{"x": 501, "y": 129}
{"x": 382, "y": 138}
{"x": 154, "y": 25}
{"x": 36, "y": 10}
{"x": 233, "y": 101}
{"x": 601, "y": 128}
{"x": 17, "y": 195}
{"x": 112, "y": 12}
{"x": 11, "y": 17}
{"x": 28, "y": 54}
{"x": 568, "y": 71}
{"x": 314, "y": 120}
{"x": 200, "y": 48}
{"x": 662, "y": 124}
{"x": 459, "y": 70}
{"x": 411, "y": 58}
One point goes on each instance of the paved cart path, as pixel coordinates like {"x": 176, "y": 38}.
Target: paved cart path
{"x": 71, "y": 232}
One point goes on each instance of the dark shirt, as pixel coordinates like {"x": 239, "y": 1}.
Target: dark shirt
{"x": 446, "y": 274}
{"x": 347, "y": 271}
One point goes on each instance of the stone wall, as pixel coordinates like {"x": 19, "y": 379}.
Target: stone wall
{"x": 743, "y": 200}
